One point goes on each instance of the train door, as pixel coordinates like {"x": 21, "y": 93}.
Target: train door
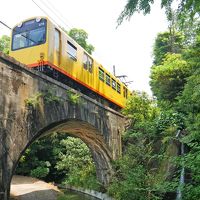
{"x": 57, "y": 47}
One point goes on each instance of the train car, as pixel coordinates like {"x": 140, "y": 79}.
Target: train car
{"x": 42, "y": 45}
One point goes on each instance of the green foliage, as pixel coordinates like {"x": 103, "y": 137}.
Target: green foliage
{"x": 148, "y": 152}
{"x": 191, "y": 163}
{"x": 63, "y": 197}
{"x": 37, "y": 157}
{"x": 187, "y": 108}
{"x": 5, "y": 44}
{"x": 41, "y": 171}
{"x": 146, "y": 167}
{"x": 85, "y": 178}
{"x": 134, "y": 6}
{"x": 190, "y": 7}
{"x": 168, "y": 79}
{"x": 50, "y": 96}
{"x": 74, "y": 154}
{"x": 192, "y": 54}
{"x": 81, "y": 36}
{"x": 133, "y": 179}
{"x": 166, "y": 43}
{"x": 142, "y": 111}
{"x": 61, "y": 159}
{"x": 189, "y": 29}
{"x": 75, "y": 158}
{"x": 190, "y": 99}
{"x": 169, "y": 118}
{"x": 140, "y": 107}
{"x": 73, "y": 97}
{"x": 135, "y": 172}
{"x": 189, "y": 103}
{"x": 34, "y": 100}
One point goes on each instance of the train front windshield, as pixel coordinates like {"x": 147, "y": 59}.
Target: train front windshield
{"x": 29, "y": 34}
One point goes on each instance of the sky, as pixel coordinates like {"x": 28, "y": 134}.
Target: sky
{"x": 129, "y": 46}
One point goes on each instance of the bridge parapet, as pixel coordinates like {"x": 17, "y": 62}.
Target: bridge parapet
{"x": 32, "y": 105}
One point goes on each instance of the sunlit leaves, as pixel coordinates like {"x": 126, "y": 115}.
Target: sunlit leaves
{"x": 192, "y": 7}
{"x": 74, "y": 154}
{"x": 133, "y": 6}
{"x": 5, "y": 44}
{"x": 166, "y": 43}
{"x": 140, "y": 107}
{"x": 81, "y": 36}
{"x": 168, "y": 79}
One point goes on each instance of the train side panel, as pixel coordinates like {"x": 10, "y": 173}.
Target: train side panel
{"x": 73, "y": 67}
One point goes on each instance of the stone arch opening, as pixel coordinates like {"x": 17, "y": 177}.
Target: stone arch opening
{"x": 89, "y": 135}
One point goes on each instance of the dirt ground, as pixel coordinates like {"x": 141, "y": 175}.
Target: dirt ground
{"x": 27, "y": 188}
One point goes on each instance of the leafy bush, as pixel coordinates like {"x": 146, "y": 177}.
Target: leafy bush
{"x": 39, "y": 172}
{"x": 73, "y": 97}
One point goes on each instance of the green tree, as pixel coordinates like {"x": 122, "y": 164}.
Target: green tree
{"x": 132, "y": 179}
{"x": 175, "y": 83}
{"x": 191, "y": 54}
{"x": 166, "y": 43}
{"x": 5, "y": 44}
{"x": 81, "y": 36}
{"x": 189, "y": 29}
{"x": 189, "y": 104}
{"x": 75, "y": 159}
{"x": 168, "y": 79}
{"x": 134, "y": 172}
{"x": 39, "y": 159}
{"x": 190, "y": 7}
{"x": 140, "y": 108}
{"x": 61, "y": 159}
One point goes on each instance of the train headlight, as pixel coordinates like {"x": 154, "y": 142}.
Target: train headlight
{"x": 20, "y": 25}
{"x": 38, "y": 19}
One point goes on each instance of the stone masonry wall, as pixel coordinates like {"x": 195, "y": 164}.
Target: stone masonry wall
{"x": 32, "y": 104}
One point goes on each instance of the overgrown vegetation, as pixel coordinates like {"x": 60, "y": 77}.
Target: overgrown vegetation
{"x": 34, "y": 100}
{"x": 73, "y": 97}
{"x": 186, "y": 9}
{"x": 5, "y": 44}
{"x": 49, "y": 96}
{"x": 151, "y": 164}
{"x": 61, "y": 159}
{"x": 139, "y": 173}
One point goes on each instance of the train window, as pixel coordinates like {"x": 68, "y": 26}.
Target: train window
{"x": 72, "y": 51}
{"x": 107, "y": 79}
{"x": 29, "y": 34}
{"x": 113, "y": 84}
{"x": 101, "y": 74}
{"x": 90, "y": 64}
{"x": 125, "y": 93}
{"x": 87, "y": 63}
{"x": 118, "y": 88}
{"x": 57, "y": 40}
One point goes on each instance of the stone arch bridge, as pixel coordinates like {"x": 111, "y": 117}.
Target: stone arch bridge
{"x": 32, "y": 105}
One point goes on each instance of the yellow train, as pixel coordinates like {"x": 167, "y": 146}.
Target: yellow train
{"x": 40, "y": 44}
